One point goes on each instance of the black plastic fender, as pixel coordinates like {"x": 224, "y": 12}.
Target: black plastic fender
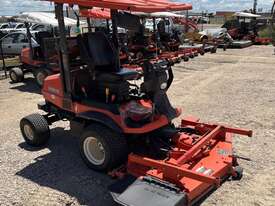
{"x": 100, "y": 118}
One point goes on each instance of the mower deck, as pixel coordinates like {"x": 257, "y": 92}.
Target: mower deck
{"x": 241, "y": 44}
{"x": 198, "y": 47}
{"x": 200, "y": 158}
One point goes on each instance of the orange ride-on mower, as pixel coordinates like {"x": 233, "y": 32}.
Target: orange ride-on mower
{"x": 41, "y": 60}
{"x": 33, "y": 60}
{"x": 127, "y": 129}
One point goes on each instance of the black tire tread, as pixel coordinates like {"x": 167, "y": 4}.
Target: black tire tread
{"x": 42, "y": 70}
{"x": 239, "y": 172}
{"x": 213, "y": 50}
{"x": 40, "y": 127}
{"x": 19, "y": 73}
{"x": 116, "y": 142}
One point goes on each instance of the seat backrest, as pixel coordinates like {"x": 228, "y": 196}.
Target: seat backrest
{"x": 97, "y": 50}
{"x": 39, "y": 36}
{"x": 161, "y": 27}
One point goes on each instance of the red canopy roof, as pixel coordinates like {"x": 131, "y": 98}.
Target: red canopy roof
{"x": 96, "y": 13}
{"x": 131, "y": 5}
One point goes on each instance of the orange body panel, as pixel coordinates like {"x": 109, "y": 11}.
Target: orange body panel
{"x": 142, "y": 5}
{"x": 26, "y": 58}
{"x": 53, "y": 93}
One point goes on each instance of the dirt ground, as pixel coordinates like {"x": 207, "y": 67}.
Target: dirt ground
{"x": 236, "y": 87}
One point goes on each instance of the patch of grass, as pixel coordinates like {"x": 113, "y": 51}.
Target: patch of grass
{"x": 10, "y": 62}
{"x": 266, "y": 32}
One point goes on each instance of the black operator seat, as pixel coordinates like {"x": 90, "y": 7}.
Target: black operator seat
{"x": 39, "y": 37}
{"x": 103, "y": 79}
{"x": 99, "y": 54}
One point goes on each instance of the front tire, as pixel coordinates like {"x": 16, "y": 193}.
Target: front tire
{"x": 238, "y": 173}
{"x": 16, "y": 75}
{"x": 214, "y": 50}
{"x": 35, "y": 130}
{"x": 102, "y": 149}
{"x": 40, "y": 75}
{"x": 186, "y": 58}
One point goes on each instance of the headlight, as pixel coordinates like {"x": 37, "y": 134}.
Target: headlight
{"x": 163, "y": 86}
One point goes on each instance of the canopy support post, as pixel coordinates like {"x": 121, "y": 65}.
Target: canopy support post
{"x": 64, "y": 58}
{"x": 89, "y": 25}
{"x": 156, "y": 35}
{"x": 154, "y": 24}
{"x": 115, "y": 32}
{"x": 29, "y": 36}
{"x": 108, "y": 25}
{"x": 114, "y": 26}
{"x": 187, "y": 19}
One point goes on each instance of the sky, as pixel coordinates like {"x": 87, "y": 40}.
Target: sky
{"x": 12, "y": 7}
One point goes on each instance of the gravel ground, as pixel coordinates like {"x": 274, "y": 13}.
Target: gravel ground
{"x": 236, "y": 87}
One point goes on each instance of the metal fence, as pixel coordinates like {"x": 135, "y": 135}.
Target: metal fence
{"x": 217, "y": 20}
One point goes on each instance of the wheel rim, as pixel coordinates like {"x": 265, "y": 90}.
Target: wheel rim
{"x": 94, "y": 150}
{"x": 40, "y": 78}
{"x": 28, "y": 132}
{"x": 13, "y": 76}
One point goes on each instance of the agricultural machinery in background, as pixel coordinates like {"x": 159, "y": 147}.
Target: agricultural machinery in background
{"x": 39, "y": 56}
{"x": 245, "y": 26}
{"x": 125, "y": 126}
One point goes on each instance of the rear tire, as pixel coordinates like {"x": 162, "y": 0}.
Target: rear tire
{"x": 239, "y": 173}
{"x": 186, "y": 58}
{"x": 214, "y": 50}
{"x": 102, "y": 149}
{"x": 35, "y": 130}
{"x": 16, "y": 75}
{"x": 40, "y": 75}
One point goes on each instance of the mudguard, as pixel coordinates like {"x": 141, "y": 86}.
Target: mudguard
{"x": 100, "y": 118}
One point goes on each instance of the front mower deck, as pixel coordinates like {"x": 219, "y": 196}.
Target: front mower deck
{"x": 200, "y": 158}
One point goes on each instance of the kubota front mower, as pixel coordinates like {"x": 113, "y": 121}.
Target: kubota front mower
{"x": 40, "y": 57}
{"x": 126, "y": 129}
{"x": 33, "y": 59}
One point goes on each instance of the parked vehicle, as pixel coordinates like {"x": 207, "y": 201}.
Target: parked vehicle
{"x": 13, "y": 43}
{"x": 12, "y": 27}
{"x": 4, "y": 26}
{"x": 40, "y": 27}
{"x": 40, "y": 58}
{"x": 245, "y": 27}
